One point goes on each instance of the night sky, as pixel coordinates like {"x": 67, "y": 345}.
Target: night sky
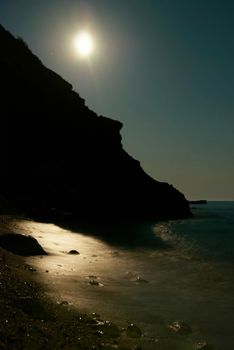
{"x": 165, "y": 68}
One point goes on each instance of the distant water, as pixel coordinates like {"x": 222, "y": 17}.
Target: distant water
{"x": 150, "y": 274}
{"x": 211, "y": 230}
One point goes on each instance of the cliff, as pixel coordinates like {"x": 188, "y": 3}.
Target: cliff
{"x": 56, "y": 152}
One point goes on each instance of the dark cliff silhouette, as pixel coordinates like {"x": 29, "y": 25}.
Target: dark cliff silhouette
{"x": 56, "y": 152}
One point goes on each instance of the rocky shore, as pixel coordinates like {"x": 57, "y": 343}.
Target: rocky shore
{"x": 30, "y": 320}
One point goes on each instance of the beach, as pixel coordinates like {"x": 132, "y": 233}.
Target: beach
{"x": 151, "y": 282}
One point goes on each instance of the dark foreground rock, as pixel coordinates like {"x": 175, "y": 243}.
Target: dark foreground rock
{"x": 21, "y": 245}
{"x": 73, "y": 252}
{"x": 58, "y": 154}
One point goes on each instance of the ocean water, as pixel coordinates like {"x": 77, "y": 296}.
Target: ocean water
{"x": 149, "y": 274}
{"x": 211, "y": 229}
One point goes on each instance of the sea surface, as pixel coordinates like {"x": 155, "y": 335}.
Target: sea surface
{"x": 150, "y": 274}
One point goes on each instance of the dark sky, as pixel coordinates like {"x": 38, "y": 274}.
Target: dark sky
{"x": 165, "y": 68}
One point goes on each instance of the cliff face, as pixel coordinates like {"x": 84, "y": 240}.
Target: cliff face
{"x": 57, "y": 152}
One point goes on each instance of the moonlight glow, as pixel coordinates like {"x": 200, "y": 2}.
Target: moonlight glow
{"x": 83, "y": 44}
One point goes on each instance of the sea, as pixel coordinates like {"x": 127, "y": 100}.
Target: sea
{"x": 150, "y": 274}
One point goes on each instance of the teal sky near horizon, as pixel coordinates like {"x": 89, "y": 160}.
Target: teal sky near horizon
{"x": 164, "y": 68}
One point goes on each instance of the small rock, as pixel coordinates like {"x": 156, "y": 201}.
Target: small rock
{"x": 94, "y": 283}
{"x": 133, "y": 331}
{"x": 99, "y": 333}
{"x": 108, "y": 329}
{"x": 73, "y": 252}
{"x": 180, "y": 327}
{"x": 32, "y": 269}
{"x": 203, "y": 346}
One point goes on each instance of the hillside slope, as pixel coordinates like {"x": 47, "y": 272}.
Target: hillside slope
{"x": 58, "y": 153}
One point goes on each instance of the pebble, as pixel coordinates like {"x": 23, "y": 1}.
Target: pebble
{"x": 133, "y": 331}
{"x": 94, "y": 283}
{"x": 32, "y": 269}
{"x": 180, "y": 327}
{"x": 108, "y": 329}
{"x": 99, "y": 333}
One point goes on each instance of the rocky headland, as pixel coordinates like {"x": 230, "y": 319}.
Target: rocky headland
{"x": 57, "y": 153}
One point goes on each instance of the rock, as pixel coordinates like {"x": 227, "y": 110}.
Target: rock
{"x": 180, "y": 327}
{"x": 32, "y": 269}
{"x": 133, "y": 331}
{"x": 73, "y": 252}
{"x": 108, "y": 329}
{"x": 94, "y": 283}
{"x": 203, "y": 346}
{"x": 21, "y": 245}
{"x": 99, "y": 333}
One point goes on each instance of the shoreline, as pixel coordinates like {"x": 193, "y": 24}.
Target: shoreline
{"x": 49, "y": 309}
{"x": 31, "y": 320}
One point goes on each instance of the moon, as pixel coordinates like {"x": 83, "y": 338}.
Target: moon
{"x": 83, "y": 44}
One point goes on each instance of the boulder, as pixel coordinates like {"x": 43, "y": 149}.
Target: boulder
{"x": 21, "y": 244}
{"x": 73, "y": 252}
